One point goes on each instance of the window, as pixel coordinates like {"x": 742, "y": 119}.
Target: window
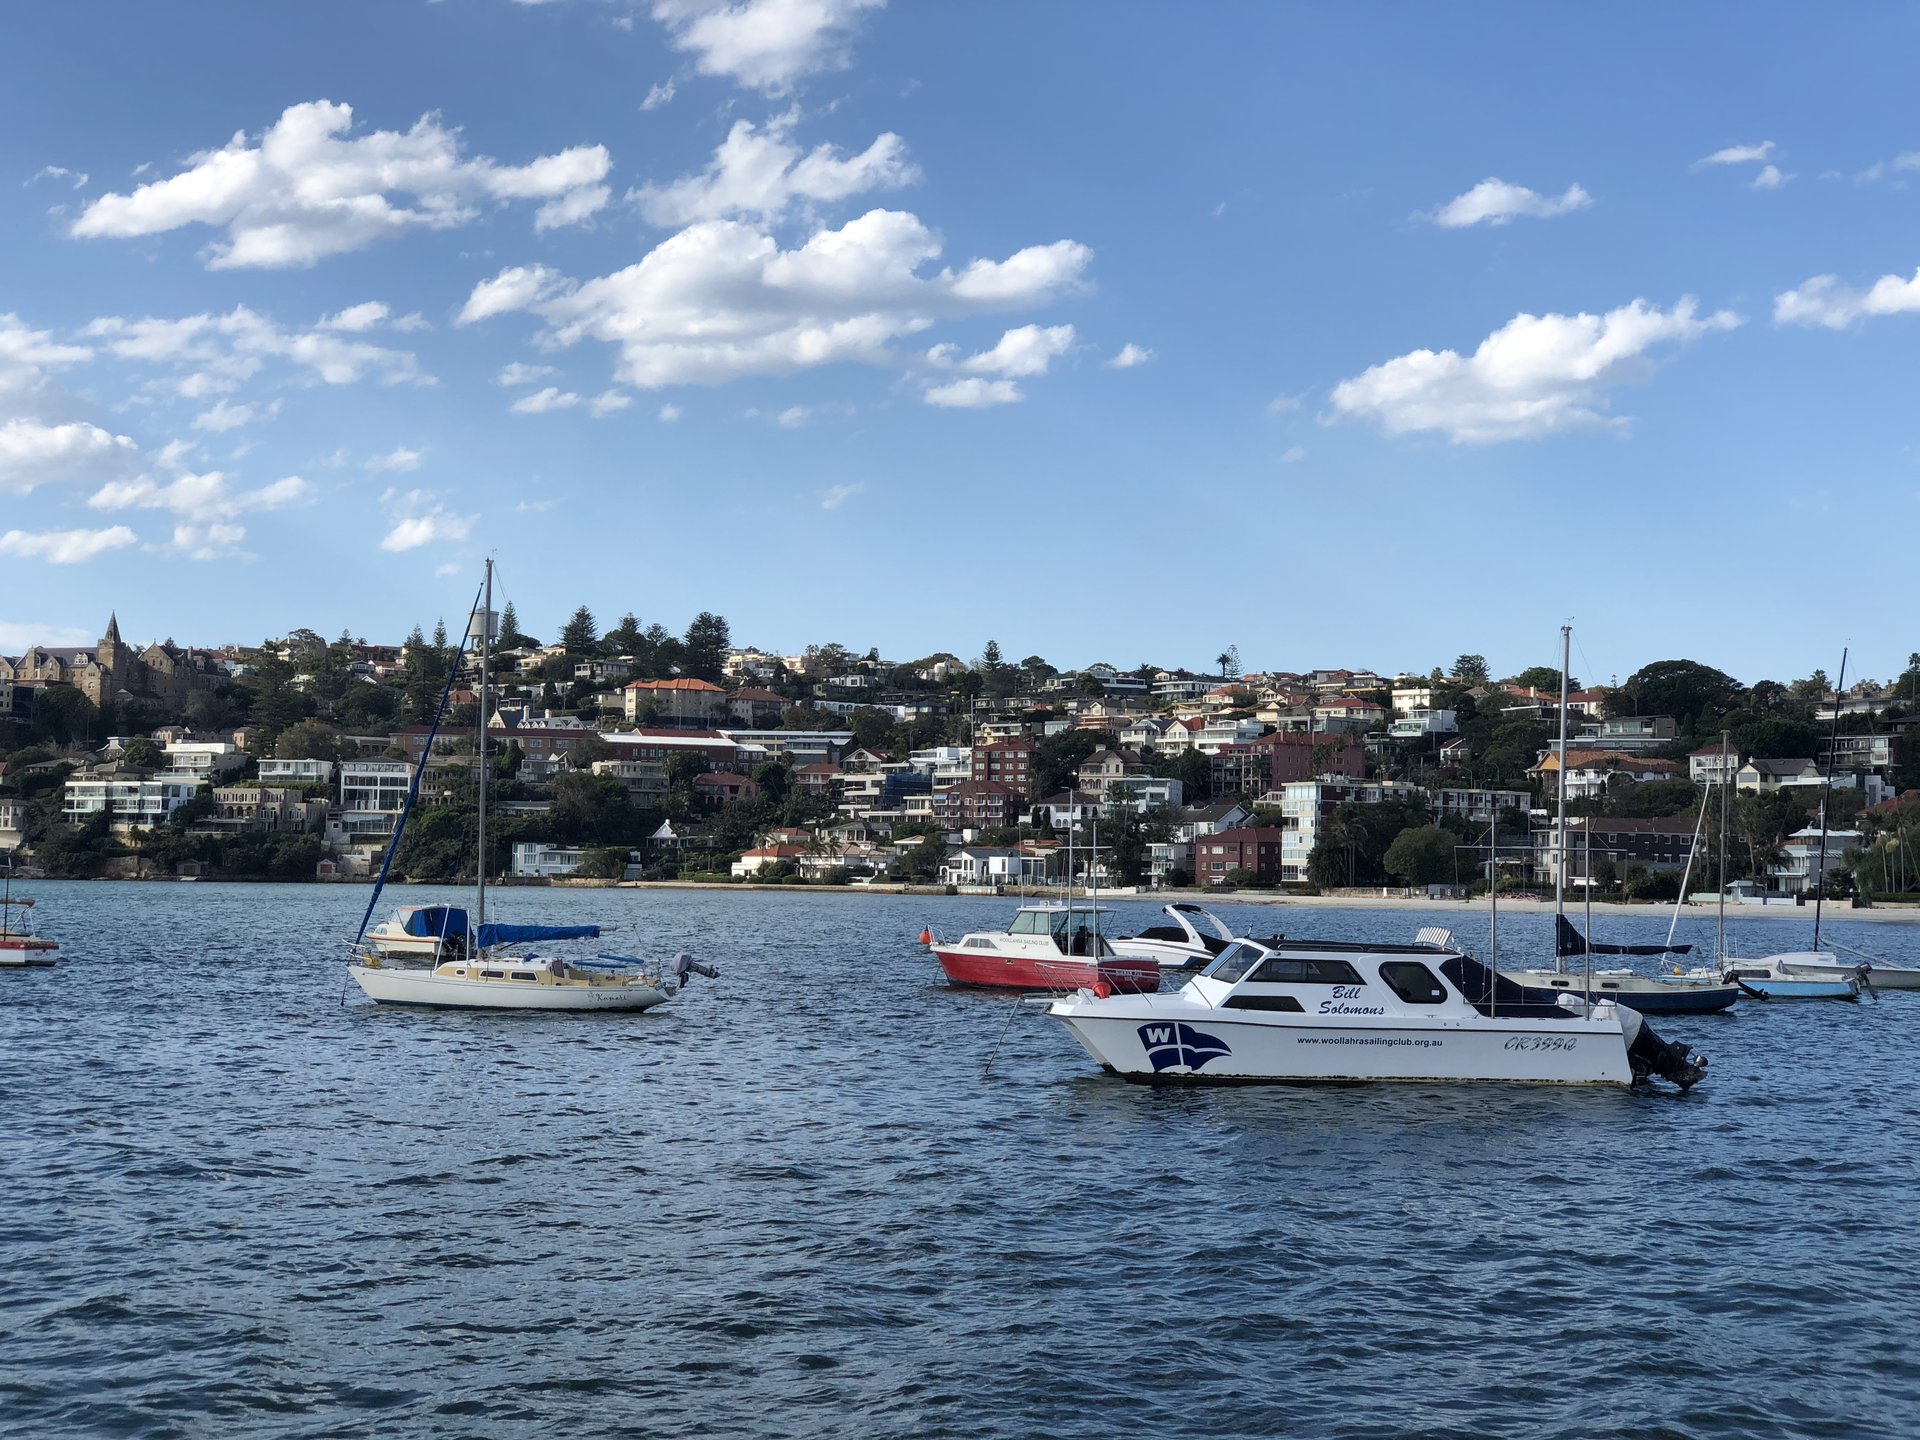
{"x": 524, "y": 975}
{"x": 1296, "y": 970}
{"x": 1263, "y": 1002}
{"x": 1233, "y": 962}
{"x": 1413, "y": 982}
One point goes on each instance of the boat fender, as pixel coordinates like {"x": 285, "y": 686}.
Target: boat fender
{"x": 926, "y": 936}
{"x": 1101, "y": 989}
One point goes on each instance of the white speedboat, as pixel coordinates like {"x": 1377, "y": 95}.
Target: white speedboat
{"x": 420, "y": 931}
{"x": 1821, "y": 965}
{"x": 1300, "y": 1011}
{"x": 1179, "y": 946}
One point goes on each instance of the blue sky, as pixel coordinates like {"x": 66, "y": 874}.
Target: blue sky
{"x": 819, "y": 314}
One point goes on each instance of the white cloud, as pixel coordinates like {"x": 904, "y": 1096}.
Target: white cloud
{"x": 1130, "y": 355}
{"x": 764, "y": 45}
{"x": 1293, "y": 455}
{"x": 519, "y": 287}
{"x": 973, "y": 393}
{"x": 60, "y": 172}
{"x": 761, "y": 173}
{"x": 201, "y": 498}
{"x": 1283, "y": 404}
{"x": 1495, "y": 202}
{"x": 437, "y": 525}
{"x": 1535, "y": 375}
{"x": 669, "y": 413}
{"x": 208, "y": 542}
{"x": 521, "y": 373}
{"x": 16, "y": 635}
{"x": 34, "y": 454}
{"x": 1737, "y": 155}
{"x": 541, "y": 401}
{"x": 608, "y": 402}
{"x": 364, "y": 316}
{"x": 721, "y": 299}
{"x": 215, "y": 353}
{"x": 1024, "y": 352}
{"x": 658, "y": 95}
{"x": 441, "y": 572}
{"x": 1823, "y": 300}
{"x": 572, "y": 208}
{"x": 307, "y": 189}
{"x": 793, "y": 417}
{"x": 1770, "y": 178}
{"x": 65, "y": 547}
{"x": 1910, "y": 160}
{"x": 396, "y": 461}
{"x": 223, "y": 417}
{"x": 834, "y": 496}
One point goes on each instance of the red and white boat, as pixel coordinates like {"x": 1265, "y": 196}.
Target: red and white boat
{"x": 1047, "y": 947}
{"x": 21, "y": 947}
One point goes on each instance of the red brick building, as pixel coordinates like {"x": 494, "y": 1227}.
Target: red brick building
{"x": 1007, "y": 762}
{"x": 979, "y": 805}
{"x": 1274, "y": 760}
{"x": 1254, "y": 849}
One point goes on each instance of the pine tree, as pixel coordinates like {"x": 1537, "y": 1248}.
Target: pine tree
{"x": 510, "y": 636}
{"x": 581, "y": 633}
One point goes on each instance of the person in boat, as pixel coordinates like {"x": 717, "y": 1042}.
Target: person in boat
{"x": 1082, "y": 940}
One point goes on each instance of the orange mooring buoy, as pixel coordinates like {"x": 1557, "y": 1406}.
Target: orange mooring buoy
{"x": 926, "y": 936}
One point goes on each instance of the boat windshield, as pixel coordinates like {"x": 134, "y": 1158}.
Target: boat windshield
{"x": 1080, "y": 939}
{"x": 1232, "y": 963}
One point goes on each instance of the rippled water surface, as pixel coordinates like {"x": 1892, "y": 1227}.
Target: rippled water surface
{"x": 792, "y": 1203}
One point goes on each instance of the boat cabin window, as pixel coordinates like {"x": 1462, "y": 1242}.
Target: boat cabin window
{"x": 1080, "y": 939}
{"x": 1029, "y": 922}
{"x": 1413, "y": 982}
{"x": 1263, "y": 1002}
{"x": 492, "y": 975}
{"x": 1233, "y": 962}
{"x": 1300, "y": 970}
{"x": 525, "y": 975}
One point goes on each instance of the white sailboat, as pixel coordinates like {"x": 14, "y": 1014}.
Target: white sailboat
{"x": 485, "y": 966}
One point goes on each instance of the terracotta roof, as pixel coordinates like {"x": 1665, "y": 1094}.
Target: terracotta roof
{"x": 678, "y": 683}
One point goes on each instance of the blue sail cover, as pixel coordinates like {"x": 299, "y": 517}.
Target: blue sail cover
{"x": 438, "y": 921}
{"x": 491, "y": 935}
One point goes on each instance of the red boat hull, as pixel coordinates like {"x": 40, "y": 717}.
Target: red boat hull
{"x": 990, "y": 970}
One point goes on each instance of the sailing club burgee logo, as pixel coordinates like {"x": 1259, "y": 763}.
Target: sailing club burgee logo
{"x": 1181, "y": 1045}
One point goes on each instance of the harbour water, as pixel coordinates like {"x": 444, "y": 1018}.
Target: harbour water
{"x": 791, "y": 1202}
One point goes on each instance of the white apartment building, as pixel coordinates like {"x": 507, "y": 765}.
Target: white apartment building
{"x": 1304, "y": 804}
{"x": 1420, "y": 722}
{"x": 536, "y": 859}
{"x": 296, "y": 772}
{"x": 208, "y": 760}
{"x": 1216, "y": 735}
{"x": 129, "y": 803}
{"x": 372, "y": 795}
{"x": 12, "y": 822}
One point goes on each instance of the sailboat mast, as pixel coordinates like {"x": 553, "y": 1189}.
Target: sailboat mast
{"x": 1826, "y": 794}
{"x": 1560, "y": 810}
{"x": 486, "y": 656}
{"x": 1720, "y": 926}
{"x": 1586, "y": 844}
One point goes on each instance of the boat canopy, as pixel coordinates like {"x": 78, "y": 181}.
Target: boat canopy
{"x": 1569, "y": 941}
{"x": 492, "y": 935}
{"x": 436, "y": 921}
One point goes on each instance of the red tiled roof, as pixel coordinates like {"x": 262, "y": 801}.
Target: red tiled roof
{"x": 678, "y": 683}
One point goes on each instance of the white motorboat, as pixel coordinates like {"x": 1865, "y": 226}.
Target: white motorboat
{"x": 420, "y": 931}
{"x": 21, "y": 946}
{"x": 1823, "y": 965}
{"x": 1303, "y": 1011}
{"x": 1047, "y": 947}
{"x": 482, "y": 966}
{"x": 1179, "y": 946}
{"x": 1774, "y": 978}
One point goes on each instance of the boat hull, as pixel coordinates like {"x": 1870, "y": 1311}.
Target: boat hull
{"x": 1793, "y": 988}
{"x": 442, "y": 992}
{"x": 1639, "y": 992}
{"x": 1881, "y": 977}
{"x": 1165, "y": 954}
{"x": 1000, "y": 970}
{"x": 23, "y": 952}
{"x": 1189, "y": 1045}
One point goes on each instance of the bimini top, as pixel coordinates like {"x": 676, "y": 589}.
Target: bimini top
{"x": 489, "y": 936}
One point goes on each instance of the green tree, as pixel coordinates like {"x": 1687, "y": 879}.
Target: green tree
{"x": 1472, "y": 670}
{"x": 142, "y": 754}
{"x": 707, "y": 643}
{"x": 1544, "y": 678}
{"x": 1695, "y": 695}
{"x": 580, "y": 634}
{"x": 990, "y": 660}
{"x": 308, "y": 740}
{"x": 512, "y": 637}
{"x": 1421, "y": 855}
{"x": 1057, "y": 757}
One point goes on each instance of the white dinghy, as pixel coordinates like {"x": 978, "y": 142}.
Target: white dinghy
{"x": 1302, "y": 1011}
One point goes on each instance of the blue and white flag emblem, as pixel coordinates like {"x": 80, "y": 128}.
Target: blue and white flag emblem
{"x": 1180, "y": 1045}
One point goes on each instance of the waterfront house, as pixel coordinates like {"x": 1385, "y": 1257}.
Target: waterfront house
{"x": 296, "y": 772}
{"x": 682, "y": 701}
{"x": 1254, "y": 850}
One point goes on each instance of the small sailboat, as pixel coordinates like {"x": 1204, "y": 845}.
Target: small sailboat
{"x": 20, "y": 946}
{"x": 483, "y": 965}
{"x": 1814, "y": 974}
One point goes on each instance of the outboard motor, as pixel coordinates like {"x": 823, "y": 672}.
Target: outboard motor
{"x": 1649, "y": 1055}
{"x": 683, "y": 965}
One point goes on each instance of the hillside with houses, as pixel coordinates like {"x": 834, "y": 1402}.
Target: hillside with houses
{"x": 643, "y": 754}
